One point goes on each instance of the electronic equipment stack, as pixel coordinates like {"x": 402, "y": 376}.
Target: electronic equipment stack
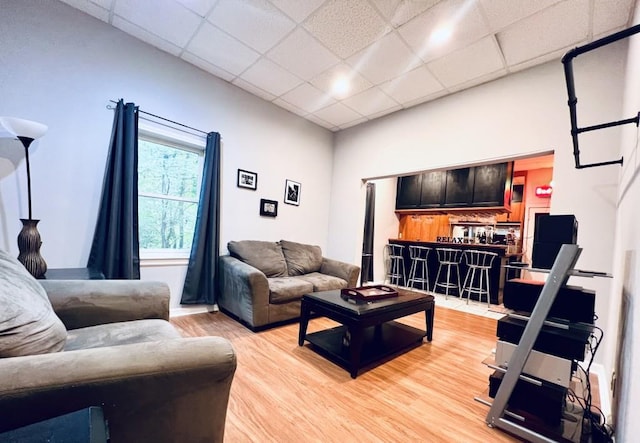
{"x": 544, "y": 350}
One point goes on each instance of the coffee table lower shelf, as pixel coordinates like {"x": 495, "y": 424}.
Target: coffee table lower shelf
{"x": 380, "y": 342}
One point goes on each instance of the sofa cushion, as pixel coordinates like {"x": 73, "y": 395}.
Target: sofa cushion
{"x": 263, "y": 255}
{"x": 301, "y": 259}
{"x": 323, "y": 282}
{"x": 28, "y": 324}
{"x": 286, "y": 289}
{"x": 120, "y": 333}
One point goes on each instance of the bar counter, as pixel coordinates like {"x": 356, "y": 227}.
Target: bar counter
{"x": 496, "y": 273}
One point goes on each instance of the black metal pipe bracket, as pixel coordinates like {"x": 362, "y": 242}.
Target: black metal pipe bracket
{"x": 567, "y": 60}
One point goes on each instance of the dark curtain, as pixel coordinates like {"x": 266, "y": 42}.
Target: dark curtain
{"x": 200, "y": 281}
{"x": 115, "y": 250}
{"x": 367, "y": 241}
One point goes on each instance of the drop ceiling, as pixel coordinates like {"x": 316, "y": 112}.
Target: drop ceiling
{"x": 289, "y": 52}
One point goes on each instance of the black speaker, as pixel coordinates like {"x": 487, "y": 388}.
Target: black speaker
{"x": 551, "y": 232}
{"x": 556, "y": 229}
{"x": 544, "y": 254}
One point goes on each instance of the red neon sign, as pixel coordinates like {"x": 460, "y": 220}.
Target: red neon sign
{"x": 544, "y": 191}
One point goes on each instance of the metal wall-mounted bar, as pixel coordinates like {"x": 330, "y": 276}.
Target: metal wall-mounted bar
{"x": 568, "y": 73}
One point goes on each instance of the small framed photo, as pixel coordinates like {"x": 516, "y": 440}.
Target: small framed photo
{"x": 292, "y": 192}
{"x": 247, "y": 179}
{"x": 268, "y": 208}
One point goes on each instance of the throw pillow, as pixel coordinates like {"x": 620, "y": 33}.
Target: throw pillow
{"x": 28, "y": 324}
{"x": 263, "y": 255}
{"x": 301, "y": 258}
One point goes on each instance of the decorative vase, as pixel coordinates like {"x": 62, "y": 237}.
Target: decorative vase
{"x": 29, "y": 243}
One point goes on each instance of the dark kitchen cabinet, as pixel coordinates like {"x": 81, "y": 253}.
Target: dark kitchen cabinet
{"x": 433, "y": 188}
{"x": 408, "y": 192}
{"x": 480, "y": 186}
{"x": 459, "y": 187}
{"x": 491, "y": 183}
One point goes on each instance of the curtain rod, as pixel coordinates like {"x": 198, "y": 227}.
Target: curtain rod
{"x": 165, "y": 119}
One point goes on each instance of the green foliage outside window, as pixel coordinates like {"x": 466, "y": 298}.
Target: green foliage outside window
{"x": 168, "y": 187}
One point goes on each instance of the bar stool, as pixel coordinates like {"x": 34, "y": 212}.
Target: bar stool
{"x": 394, "y": 261}
{"x": 419, "y": 272}
{"x": 448, "y": 258}
{"x": 478, "y": 262}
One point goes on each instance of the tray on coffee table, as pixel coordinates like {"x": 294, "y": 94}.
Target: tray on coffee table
{"x": 367, "y": 293}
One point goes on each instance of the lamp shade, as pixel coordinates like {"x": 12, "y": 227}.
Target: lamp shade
{"x": 23, "y": 128}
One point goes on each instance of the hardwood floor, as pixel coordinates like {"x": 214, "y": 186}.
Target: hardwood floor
{"x": 285, "y": 393}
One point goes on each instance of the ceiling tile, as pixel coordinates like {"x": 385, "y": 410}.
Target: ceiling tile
{"x": 289, "y": 107}
{"x": 478, "y": 80}
{"x": 212, "y": 69}
{"x": 165, "y": 18}
{"x": 145, "y": 36}
{"x": 353, "y": 123}
{"x": 398, "y": 12}
{"x": 218, "y": 48}
{"x": 469, "y": 26}
{"x": 554, "y": 55}
{"x": 502, "y": 13}
{"x": 296, "y": 9}
{"x": 325, "y": 80}
{"x": 200, "y": 7}
{"x": 337, "y": 114}
{"x": 550, "y": 28}
{"x": 308, "y": 97}
{"x": 319, "y": 121}
{"x": 609, "y": 14}
{"x": 346, "y": 26}
{"x": 371, "y": 101}
{"x": 426, "y": 98}
{"x": 303, "y": 55}
{"x": 477, "y": 60}
{"x": 256, "y": 23}
{"x": 98, "y": 11}
{"x": 412, "y": 85}
{"x": 270, "y": 77}
{"x": 385, "y": 112}
{"x": 385, "y": 59}
{"x": 253, "y": 89}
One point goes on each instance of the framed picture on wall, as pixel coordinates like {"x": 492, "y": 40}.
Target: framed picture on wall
{"x": 292, "y": 192}
{"x": 247, "y": 179}
{"x": 268, "y": 208}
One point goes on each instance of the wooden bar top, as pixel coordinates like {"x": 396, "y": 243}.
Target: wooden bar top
{"x": 501, "y": 250}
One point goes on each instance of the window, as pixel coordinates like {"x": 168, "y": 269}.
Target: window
{"x": 169, "y": 177}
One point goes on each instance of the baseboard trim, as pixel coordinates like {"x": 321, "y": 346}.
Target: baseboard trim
{"x": 190, "y": 310}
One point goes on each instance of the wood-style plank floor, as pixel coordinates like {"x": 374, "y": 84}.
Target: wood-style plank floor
{"x": 282, "y": 392}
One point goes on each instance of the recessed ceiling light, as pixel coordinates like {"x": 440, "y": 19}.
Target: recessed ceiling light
{"x": 441, "y": 34}
{"x": 341, "y": 86}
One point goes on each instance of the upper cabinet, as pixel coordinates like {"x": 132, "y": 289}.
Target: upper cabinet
{"x": 459, "y": 187}
{"x": 433, "y": 188}
{"x": 409, "y": 191}
{"x": 492, "y": 185}
{"x": 480, "y": 186}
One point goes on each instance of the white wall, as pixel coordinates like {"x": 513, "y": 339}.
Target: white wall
{"x": 521, "y": 114}
{"x": 61, "y": 67}
{"x": 625, "y": 309}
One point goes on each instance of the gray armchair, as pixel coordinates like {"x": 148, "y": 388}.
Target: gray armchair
{"x": 121, "y": 354}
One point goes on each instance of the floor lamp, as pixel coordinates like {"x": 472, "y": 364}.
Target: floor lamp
{"x": 29, "y": 241}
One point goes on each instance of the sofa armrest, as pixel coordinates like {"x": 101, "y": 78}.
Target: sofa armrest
{"x": 82, "y": 303}
{"x": 244, "y": 291}
{"x": 345, "y": 271}
{"x": 174, "y": 390}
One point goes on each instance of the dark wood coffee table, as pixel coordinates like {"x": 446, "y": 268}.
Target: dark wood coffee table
{"x": 368, "y": 334}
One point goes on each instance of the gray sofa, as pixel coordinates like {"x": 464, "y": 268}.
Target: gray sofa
{"x": 261, "y": 283}
{"x": 69, "y": 345}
